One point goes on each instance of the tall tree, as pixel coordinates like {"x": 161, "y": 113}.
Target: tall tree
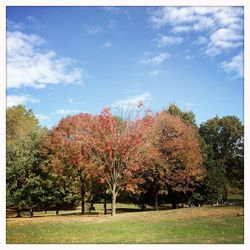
{"x": 117, "y": 147}
{"x": 66, "y": 153}
{"x": 224, "y": 138}
{"x": 179, "y": 146}
{"x": 22, "y": 157}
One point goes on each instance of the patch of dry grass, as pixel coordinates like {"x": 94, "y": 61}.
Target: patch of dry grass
{"x": 177, "y": 214}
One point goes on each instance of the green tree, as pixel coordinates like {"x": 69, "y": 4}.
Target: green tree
{"x": 224, "y": 138}
{"x": 22, "y": 158}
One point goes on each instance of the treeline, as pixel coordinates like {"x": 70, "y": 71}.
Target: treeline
{"x": 144, "y": 158}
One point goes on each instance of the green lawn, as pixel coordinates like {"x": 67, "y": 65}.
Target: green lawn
{"x": 188, "y": 225}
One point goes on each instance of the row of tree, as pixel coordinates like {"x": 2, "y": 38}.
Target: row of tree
{"x": 143, "y": 158}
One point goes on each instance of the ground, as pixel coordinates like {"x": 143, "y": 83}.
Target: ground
{"x": 187, "y": 225}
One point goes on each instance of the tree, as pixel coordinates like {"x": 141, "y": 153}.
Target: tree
{"x": 19, "y": 122}
{"x": 224, "y": 138}
{"x": 186, "y": 116}
{"x": 117, "y": 147}
{"x": 179, "y": 148}
{"x": 66, "y": 153}
{"x": 22, "y": 157}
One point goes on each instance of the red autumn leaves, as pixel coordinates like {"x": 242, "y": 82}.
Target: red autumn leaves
{"x": 120, "y": 151}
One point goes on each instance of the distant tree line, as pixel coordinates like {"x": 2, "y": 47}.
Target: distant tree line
{"x": 144, "y": 158}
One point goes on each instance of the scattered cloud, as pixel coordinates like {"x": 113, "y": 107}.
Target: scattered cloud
{"x": 234, "y": 66}
{"x": 13, "y": 100}
{"x": 154, "y": 59}
{"x": 98, "y": 29}
{"x": 28, "y": 64}
{"x": 202, "y": 40}
{"x": 163, "y": 41}
{"x": 221, "y": 28}
{"x": 132, "y": 102}
{"x": 219, "y": 31}
{"x": 42, "y": 117}
{"x": 93, "y": 30}
{"x": 155, "y": 73}
{"x": 66, "y": 111}
{"x": 33, "y": 23}
{"x": 106, "y": 45}
{"x": 11, "y": 25}
{"x": 183, "y": 19}
{"x": 30, "y": 22}
{"x": 223, "y": 39}
{"x": 71, "y": 100}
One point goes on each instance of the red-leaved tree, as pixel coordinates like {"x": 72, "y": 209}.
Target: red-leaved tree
{"x": 64, "y": 148}
{"x": 117, "y": 147}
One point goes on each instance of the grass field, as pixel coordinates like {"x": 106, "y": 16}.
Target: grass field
{"x": 187, "y": 225}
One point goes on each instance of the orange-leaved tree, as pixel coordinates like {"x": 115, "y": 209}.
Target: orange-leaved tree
{"x": 117, "y": 147}
{"x": 65, "y": 151}
{"x": 179, "y": 148}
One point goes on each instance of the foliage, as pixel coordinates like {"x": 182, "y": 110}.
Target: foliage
{"x": 22, "y": 155}
{"x": 225, "y": 151}
{"x": 65, "y": 153}
{"x": 180, "y": 151}
{"x": 117, "y": 148}
{"x": 187, "y": 116}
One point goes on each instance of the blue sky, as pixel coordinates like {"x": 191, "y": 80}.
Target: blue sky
{"x": 66, "y": 60}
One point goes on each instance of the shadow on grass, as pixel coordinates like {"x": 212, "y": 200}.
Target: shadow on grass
{"x": 92, "y": 213}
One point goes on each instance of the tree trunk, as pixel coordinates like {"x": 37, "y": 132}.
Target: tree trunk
{"x": 114, "y": 194}
{"x": 174, "y": 205}
{"x": 18, "y": 213}
{"x": 31, "y": 212}
{"x": 225, "y": 193}
{"x": 105, "y": 202}
{"x": 156, "y": 201}
{"x": 83, "y": 191}
{"x": 83, "y": 199}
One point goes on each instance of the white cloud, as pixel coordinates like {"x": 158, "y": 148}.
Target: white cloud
{"x": 42, "y": 117}
{"x": 106, "y": 45}
{"x": 73, "y": 101}
{"x": 13, "y": 100}
{"x": 195, "y": 18}
{"x": 30, "y": 65}
{"x": 202, "y": 40}
{"x": 33, "y": 23}
{"x": 169, "y": 40}
{"x": 132, "y": 102}
{"x": 11, "y": 25}
{"x": 66, "y": 111}
{"x": 223, "y": 39}
{"x": 155, "y": 73}
{"x": 234, "y": 66}
{"x": 154, "y": 59}
{"x": 97, "y": 29}
{"x": 181, "y": 28}
{"x": 93, "y": 30}
{"x": 221, "y": 27}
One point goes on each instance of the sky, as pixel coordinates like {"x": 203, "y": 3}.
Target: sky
{"x": 66, "y": 60}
